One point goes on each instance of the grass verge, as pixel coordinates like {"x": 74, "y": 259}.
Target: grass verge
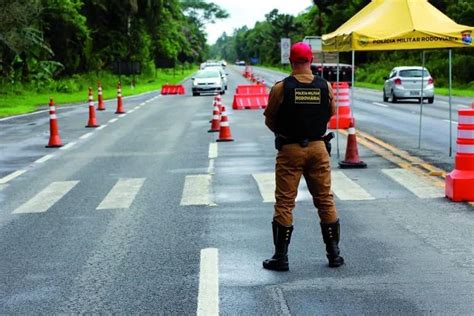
{"x": 22, "y": 99}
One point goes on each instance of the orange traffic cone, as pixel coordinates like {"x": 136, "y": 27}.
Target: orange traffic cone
{"x": 224, "y": 133}
{"x": 100, "y": 98}
{"x": 92, "y": 119}
{"x": 54, "y": 138}
{"x": 352, "y": 153}
{"x": 215, "y": 122}
{"x": 119, "y": 99}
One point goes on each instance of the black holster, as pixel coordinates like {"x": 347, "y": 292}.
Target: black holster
{"x": 327, "y": 141}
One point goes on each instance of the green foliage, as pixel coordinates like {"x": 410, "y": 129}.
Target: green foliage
{"x": 43, "y": 40}
{"x": 262, "y": 41}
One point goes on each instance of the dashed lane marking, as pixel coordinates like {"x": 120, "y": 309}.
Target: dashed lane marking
{"x": 85, "y": 136}
{"x": 41, "y": 202}
{"x": 113, "y": 120}
{"x": 208, "y": 296}
{"x": 122, "y": 194}
{"x": 346, "y": 189}
{"x": 381, "y": 104}
{"x": 419, "y": 186}
{"x": 122, "y": 115}
{"x": 11, "y": 176}
{"x": 197, "y": 190}
{"x": 101, "y": 127}
{"x": 66, "y": 147}
{"x": 210, "y": 169}
{"x": 213, "y": 151}
{"x": 452, "y": 122}
{"x": 44, "y": 158}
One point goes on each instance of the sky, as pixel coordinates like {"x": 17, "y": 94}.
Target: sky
{"x": 247, "y": 12}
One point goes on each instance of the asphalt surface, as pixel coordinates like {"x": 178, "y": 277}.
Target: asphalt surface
{"x": 400, "y": 124}
{"x": 404, "y": 254}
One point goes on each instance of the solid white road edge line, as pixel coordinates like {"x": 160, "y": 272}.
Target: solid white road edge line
{"x": 208, "y": 296}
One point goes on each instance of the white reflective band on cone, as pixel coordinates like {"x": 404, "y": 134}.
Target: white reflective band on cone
{"x": 215, "y": 117}
{"x": 466, "y": 134}
{"x": 52, "y": 108}
{"x": 224, "y": 124}
{"x": 464, "y": 119}
{"x": 91, "y": 104}
{"x": 53, "y": 116}
{"x": 352, "y": 130}
{"x": 465, "y": 149}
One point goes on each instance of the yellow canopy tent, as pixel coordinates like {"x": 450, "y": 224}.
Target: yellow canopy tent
{"x": 400, "y": 25}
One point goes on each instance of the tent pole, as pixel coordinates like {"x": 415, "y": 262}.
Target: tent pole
{"x": 450, "y": 105}
{"x": 337, "y": 107}
{"x": 353, "y": 87}
{"x": 421, "y": 97}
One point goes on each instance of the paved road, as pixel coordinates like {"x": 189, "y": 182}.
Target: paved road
{"x": 399, "y": 124}
{"x": 151, "y": 215}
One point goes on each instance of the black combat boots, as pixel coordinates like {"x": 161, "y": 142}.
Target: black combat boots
{"x": 281, "y": 240}
{"x": 331, "y": 239}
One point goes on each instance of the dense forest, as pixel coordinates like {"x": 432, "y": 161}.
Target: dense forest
{"x": 42, "y": 39}
{"x": 46, "y": 40}
{"x": 261, "y": 43}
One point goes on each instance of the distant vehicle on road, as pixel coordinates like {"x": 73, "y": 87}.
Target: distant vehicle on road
{"x": 329, "y": 72}
{"x": 405, "y": 83}
{"x": 240, "y": 63}
{"x": 207, "y": 81}
{"x": 223, "y": 73}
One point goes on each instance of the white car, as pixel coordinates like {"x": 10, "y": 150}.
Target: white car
{"x": 207, "y": 81}
{"x": 221, "y": 71}
{"x": 405, "y": 83}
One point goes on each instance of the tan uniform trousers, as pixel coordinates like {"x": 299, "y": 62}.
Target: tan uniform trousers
{"x": 313, "y": 163}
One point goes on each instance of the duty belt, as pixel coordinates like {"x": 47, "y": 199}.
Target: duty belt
{"x": 302, "y": 142}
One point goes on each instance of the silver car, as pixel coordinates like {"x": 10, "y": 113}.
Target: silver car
{"x": 207, "y": 81}
{"x": 405, "y": 83}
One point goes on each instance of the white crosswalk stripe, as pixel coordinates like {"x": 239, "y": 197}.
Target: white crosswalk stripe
{"x": 122, "y": 194}
{"x": 266, "y": 185}
{"x": 41, "y": 202}
{"x": 421, "y": 187}
{"x": 346, "y": 189}
{"x": 197, "y": 190}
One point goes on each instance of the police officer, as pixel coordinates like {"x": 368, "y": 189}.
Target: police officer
{"x": 298, "y": 111}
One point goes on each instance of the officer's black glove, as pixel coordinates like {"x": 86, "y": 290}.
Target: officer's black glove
{"x": 327, "y": 141}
